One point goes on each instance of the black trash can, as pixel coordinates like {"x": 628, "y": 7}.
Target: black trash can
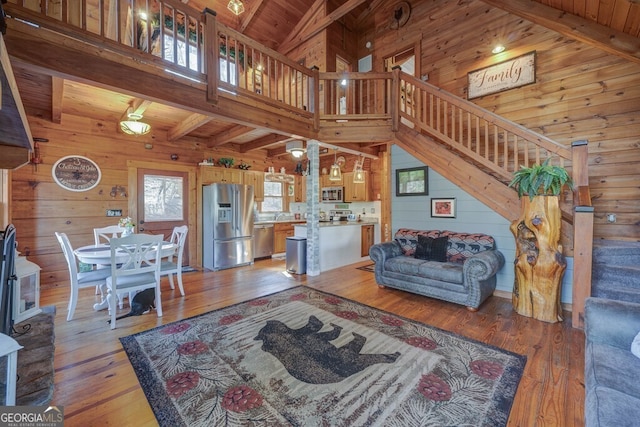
{"x": 296, "y": 255}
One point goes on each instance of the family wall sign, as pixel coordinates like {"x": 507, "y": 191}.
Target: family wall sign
{"x": 510, "y": 74}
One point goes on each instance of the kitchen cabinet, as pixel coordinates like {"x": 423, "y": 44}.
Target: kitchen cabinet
{"x": 282, "y": 230}
{"x": 356, "y": 192}
{"x": 366, "y": 239}
{"x": 256, "y": 179}
{"x": 326, "y": 182}
{"x": 212, "y": 174}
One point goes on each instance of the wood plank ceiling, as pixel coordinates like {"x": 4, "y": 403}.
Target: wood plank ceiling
{"x": 274, "y": 23}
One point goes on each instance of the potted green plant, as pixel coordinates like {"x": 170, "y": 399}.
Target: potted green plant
{"x": 540, "y": 180}
{"x": 539, "y": 264}
{"x": 227, "y": 162}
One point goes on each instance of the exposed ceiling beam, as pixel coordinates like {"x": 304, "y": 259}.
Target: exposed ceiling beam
{"x": 228, "y": 134}
{"x": 194, "y": 121}
{"x": 253, "y": 8}
{"x": 305, "y": 21}
{"x": 368, "y": 11}
{"x": 320, "y": 25}
{"x": 574, "y": 27}
{"x": 263, "y": 142}
{"x": 343, "y": 149}
{"x": 136, "y": 106}
{"x": 57, "y": 93}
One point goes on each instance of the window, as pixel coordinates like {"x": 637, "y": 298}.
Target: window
{"x": 273, "y": 197}
{"x": 163, "y": 198}
{"x": 181, "y": 47}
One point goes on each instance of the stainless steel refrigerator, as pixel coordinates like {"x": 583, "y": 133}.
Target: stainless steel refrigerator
{"x": 227, "y": 225}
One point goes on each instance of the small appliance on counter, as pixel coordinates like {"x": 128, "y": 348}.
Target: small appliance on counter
{"x": 340, "y": 214}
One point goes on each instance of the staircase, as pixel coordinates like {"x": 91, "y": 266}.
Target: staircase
{"x": 616, "y": 270}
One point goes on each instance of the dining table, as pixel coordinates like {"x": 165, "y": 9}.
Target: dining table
{"x": 101, "y": 255}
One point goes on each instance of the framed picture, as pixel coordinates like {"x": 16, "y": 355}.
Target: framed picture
{"x": 412, "y": 181}
{"x": 443, "y": 208}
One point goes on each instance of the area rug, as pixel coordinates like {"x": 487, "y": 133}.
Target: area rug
{"x": 369, "y": 267}
{"x": 306, "y": 358}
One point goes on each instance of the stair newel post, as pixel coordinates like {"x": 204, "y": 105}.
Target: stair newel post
{"x": 582, "y": 232}
{"x": 395, "y": 97}
{"x": 539, "y": 262}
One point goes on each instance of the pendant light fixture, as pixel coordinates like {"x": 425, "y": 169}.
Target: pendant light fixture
{"x": 296, "y": 149}
{"x": 335, "y": 174}
{"x": 132, "y": 126}
{"x": 358, "y": 172}
{"x": 236, "y": 7}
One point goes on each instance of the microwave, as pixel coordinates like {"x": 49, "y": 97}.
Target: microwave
{"x": 332, "y": 194}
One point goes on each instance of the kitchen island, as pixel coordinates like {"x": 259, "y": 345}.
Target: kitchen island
{"x": 343, "y": 242}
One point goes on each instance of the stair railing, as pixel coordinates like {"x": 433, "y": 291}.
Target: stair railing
{"x": 490, "y": 140}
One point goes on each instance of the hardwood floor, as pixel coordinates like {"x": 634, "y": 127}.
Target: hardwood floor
{"x": 97, "y": 386}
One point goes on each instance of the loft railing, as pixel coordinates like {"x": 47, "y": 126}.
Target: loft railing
{"x": 170, "y": 35}
{"x": 166, "y": 33}
{"x": 355, "y": 96}
{"x": 258, "y": 73}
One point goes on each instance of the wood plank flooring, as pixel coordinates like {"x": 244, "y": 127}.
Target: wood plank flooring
{"x": 97, "y": 386}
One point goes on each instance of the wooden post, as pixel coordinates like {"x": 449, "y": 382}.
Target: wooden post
{"x": 212, "y": 50}
{"x": 395, "y": 98}
{"x": 539, "y": 263}
{"x": 583, "y": 232}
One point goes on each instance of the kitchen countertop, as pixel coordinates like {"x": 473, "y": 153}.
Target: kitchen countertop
{"x": 343, "y": 223}
{"x": 322, "y": 223}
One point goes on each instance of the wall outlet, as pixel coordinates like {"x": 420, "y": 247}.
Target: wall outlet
{"x": 611, "y": 217}
{"x": 373, "y": 210}
{"x": 114, "y": 212}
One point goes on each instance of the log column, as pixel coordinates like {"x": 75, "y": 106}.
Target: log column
{"x": 539, "y": 263}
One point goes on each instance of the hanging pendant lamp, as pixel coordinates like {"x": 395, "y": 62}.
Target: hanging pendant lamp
{"x": 335, "y": 174}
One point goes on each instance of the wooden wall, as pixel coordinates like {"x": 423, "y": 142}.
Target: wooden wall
{"x": 581, "y": 92}
{"x": 40, "y": 207}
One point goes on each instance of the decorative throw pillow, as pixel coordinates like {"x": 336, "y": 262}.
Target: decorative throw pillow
{"x": 635, "y": 346}
{"x": 431, "y": 249}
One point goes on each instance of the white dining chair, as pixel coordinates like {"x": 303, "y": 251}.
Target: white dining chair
{"x": 140, "y": 271}
{"x": 79, "y": 280}
{"x": 104, "y": 234}
{"x": 173, "y": 263}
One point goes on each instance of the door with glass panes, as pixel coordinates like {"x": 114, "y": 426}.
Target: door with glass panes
{"x": 162, "y": 202}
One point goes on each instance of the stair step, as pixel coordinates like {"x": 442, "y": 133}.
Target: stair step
{"x": 616, "y": 252}
{"x": 615, "y": 292}
{"x": 623, "y": 275}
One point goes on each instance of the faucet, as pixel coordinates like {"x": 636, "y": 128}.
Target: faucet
{"x": 280, "y": 216}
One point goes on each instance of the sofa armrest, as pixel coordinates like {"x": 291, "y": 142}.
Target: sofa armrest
{"x": 380, "y": 252}
{"x": 611, "y": 322}
{"x": 483, "y": 265}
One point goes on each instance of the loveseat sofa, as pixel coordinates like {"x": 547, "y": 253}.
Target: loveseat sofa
{"x": 451, "y": 266}
{"x": 611, "y": 370}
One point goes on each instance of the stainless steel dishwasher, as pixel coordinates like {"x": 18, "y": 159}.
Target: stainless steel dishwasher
{"x": 262, "y": 240}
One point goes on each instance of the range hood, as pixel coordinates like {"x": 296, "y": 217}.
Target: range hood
{"x": 15, "y": 134}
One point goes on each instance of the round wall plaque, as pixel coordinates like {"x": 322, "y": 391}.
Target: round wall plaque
{"x": 76, "y": 173}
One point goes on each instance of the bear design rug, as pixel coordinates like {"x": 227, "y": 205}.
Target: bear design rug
{"x": 307, "y": 358}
